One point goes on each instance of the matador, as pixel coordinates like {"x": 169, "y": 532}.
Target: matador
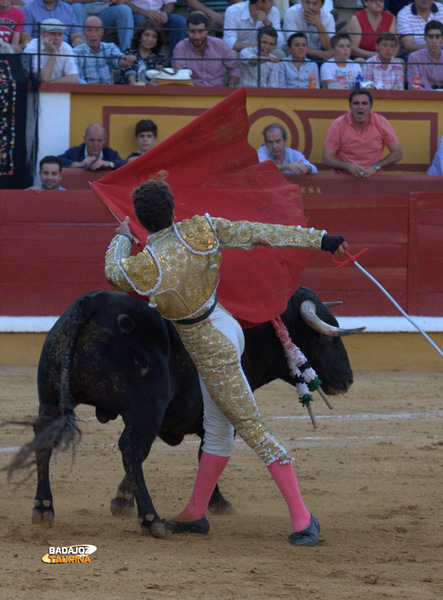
{"x": 179, "y": 271}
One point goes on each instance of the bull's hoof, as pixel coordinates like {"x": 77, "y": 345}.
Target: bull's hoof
{"x": 221, "y": 507}
{"x": 200, "y": 526}
{"x": 307, "y": 537}
{"x": 43, "y": 513}
{"x": 121, "y": 507}
{"x": 157, "y": 529}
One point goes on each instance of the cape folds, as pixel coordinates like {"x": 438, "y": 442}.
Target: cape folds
{"x": 211, "y": 168}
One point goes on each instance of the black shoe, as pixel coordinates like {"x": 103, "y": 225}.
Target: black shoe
{"x": 200, "y": 526}
{"x": 307, "y": 537}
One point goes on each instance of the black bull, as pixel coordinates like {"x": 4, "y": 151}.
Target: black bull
{"x": 115, "y": 353}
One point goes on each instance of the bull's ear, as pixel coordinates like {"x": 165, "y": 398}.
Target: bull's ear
{"x": 333, "y": 303}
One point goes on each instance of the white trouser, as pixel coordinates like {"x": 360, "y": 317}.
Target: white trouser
{"x": 219, "y": 433}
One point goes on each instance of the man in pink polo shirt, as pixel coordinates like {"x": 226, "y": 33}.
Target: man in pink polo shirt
{"x": 355, "y": 141}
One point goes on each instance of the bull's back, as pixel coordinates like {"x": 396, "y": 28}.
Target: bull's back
{"x": 107, "y": 342}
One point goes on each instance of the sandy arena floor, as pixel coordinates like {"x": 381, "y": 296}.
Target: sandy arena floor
{"x": 371, "y": 473}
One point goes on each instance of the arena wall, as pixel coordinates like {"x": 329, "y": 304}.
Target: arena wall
{"x": 52, "y": 250}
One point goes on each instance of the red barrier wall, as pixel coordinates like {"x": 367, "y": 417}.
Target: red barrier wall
{"x": 52, "y": 246}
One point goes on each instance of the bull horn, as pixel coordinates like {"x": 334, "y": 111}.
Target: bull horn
{"x": 332, "y": 304}
{"x": 309, "y": 315}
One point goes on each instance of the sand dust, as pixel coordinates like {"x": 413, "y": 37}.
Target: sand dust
{"x": 371, "y": 473}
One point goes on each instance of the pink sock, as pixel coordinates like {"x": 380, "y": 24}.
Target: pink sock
{"x": 209, "y": 471}
{"x": 285, "y": 478}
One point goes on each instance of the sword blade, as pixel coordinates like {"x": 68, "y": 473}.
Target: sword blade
{"x": 397, "y": 305}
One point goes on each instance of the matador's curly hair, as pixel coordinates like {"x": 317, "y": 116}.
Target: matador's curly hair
{"x": 154, "y": 204}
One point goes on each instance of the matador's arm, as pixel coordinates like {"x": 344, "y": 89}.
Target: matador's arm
{"x": 119, "y": 248}
{"x": 248, "y": 235}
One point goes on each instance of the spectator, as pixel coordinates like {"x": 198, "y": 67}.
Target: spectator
{"x": 92, "y": 154}
{"x": 427, "y": 64}
{"x": 161, "y": 12}
{"x": 328, "y": 5}
{"x": 339, "y": 71}
{"x": 258, "y": 67}
{"x": 436, "y": 167}
{"x": 364, "y": 25}
{"x": 96, "y": 59}
{"x": 145, "y": 138}
{"x": 11, "y": 26}
{"x": 318, "y": 24}
{"x": 146, "y": 46}
{"x": 213, "y": 9}
{"x": 393, "y": 6}
{"x": 37, "y": 11}
{"x": 299, "y": 72}
{"x": 411, "y": 21}
{"x": 383, "y": 69}
{"x": 287, "y": 160}
{"x": 242, "y": 19}
{"x": 50, "y": 174}
{"x": 112, "y": 13}
{"x": 355, "y": 141}
{"x": 208, "y": 57}
{"x": 52, "y": 59}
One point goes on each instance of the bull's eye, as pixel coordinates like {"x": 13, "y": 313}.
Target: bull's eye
{"x": 125, "y": 323}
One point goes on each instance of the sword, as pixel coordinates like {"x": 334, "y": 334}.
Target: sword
{"x": 353, "y": 259}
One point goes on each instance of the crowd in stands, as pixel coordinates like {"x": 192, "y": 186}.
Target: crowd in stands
{"x": 388, "y": 44}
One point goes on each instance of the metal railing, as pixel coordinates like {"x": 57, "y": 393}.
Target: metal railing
{"x": 41, "y": 53}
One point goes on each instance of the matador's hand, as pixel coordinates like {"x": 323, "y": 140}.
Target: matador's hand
{"x": 124, "y": 228}
{"x": 334, "y": 243}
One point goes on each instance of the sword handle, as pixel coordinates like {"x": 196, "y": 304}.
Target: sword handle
{"x": 350, "y": 258}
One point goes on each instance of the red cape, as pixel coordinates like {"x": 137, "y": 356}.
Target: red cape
{"x": 211, "y": 168}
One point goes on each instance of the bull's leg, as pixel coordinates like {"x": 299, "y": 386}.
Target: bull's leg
{"x": 218, "y": 503}
{"x": 134, "y": 446}
{"x": 43, "y": 511}
{"x": 123, "y": 504}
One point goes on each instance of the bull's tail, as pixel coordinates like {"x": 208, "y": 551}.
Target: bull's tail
{"x": 59, "y": 432}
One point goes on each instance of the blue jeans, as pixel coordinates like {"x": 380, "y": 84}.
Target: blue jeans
{"x": 117, "y": 15}
{"x": 178, "y": 29}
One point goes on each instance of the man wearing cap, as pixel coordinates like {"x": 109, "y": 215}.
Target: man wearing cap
{"x": 37, "y": 11}
{"x": 53, "y": 59}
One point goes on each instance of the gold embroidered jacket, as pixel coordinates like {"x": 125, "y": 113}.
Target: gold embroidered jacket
{"x": 179, "y": 267}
